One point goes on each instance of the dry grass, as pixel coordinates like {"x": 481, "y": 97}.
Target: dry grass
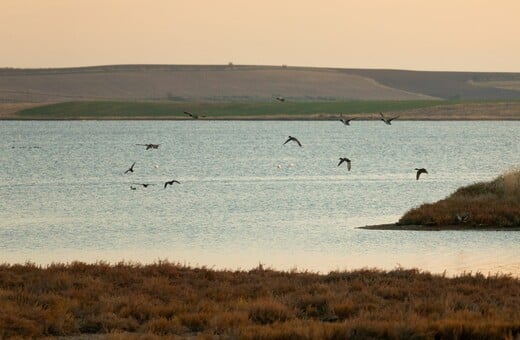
{"x": 192, "y": 83}
{"x": 164, "y": 299}
{"x": 487, "y": 204}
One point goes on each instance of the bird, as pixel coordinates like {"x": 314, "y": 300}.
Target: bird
{"x": 145, "y": 185}
{"x": 131, "y": 169}
{"x": 388, "y": 121}
{"x": 419, "y": 172}
{"x": 192, "y": 115}
{"x": 280, "y": 98}
{"x": 132, "y": 188}
{"x": 292, "y": 139}
{"x": 345, "y": 159}
{"x": 346, "y": 121}
{"x": 170, "y": 183}
{"x": 150, "y": 146}
{"x": 462, "y": 218}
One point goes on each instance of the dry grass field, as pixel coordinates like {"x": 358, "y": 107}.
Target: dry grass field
{"x": 133, "y": 301}
{"x": 480, "y": 205}
{"x": 225, "y": 83}
{"x": 11, "y": 110}
{"x": 192, "y": 83}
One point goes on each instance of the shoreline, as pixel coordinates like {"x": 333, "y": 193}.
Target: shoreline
{"x": 243, "y": 111}
{"x": 396, "y": 227}
{"x": 250, "y": 118}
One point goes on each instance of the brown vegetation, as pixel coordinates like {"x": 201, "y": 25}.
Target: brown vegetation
{"x": 163, "y": 299}
{"x": 487, "y": 204}
{"x": 192, "y": 83}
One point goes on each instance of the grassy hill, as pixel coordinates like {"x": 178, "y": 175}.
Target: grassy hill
{"x": 480, "y": 205}
{"x": 225, "y": 83}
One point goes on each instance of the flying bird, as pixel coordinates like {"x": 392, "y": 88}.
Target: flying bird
{"x": 170, "y": 183}
{"x": 145, "y": 185}
{"x": 344, "y": 159}
{"x": 346, "y": 121}
{"x": 132, "y": 188}
{"x": 131, "y": 169}
{"x": 192, "y": 115}
{"x": 150, "y": 146}
{"x": 388, "y": 121}
{"x": 280, "y": 98}
{"x": 292, "y": 139}
{"x": 419, "y": 172}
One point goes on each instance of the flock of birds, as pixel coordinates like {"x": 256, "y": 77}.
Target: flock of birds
{"x": 386, "y": 120}
{"x": 146, "y": 185}
{"x": 347, "y": 161}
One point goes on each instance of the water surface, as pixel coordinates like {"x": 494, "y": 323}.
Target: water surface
{"x": 245, "y": 198}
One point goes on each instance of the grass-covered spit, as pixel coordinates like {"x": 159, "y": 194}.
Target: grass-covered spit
{"x": 494, "y": 204}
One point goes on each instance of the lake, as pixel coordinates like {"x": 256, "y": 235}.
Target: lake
{"x": 245, "y": 198}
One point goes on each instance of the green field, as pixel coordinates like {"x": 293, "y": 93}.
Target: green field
{"x": 168, "y": 110}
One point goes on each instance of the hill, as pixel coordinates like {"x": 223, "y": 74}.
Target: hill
{"x": 225, "y": 83}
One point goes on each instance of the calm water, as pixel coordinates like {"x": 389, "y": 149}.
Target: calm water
{"x": 245, "y": 199}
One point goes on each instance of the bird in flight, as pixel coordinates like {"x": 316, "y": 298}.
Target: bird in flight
{"x": 388, "y": 121}
{"x": 345, "y": 160}
{"x": 170, "y": 183}
{"x": 346, "y": 121}
{"x": 419, "y": 172}
{"x": 192, "y": 115}
{"x": 150, "y": 146}
{"x": 145, "y": 185}
{"x": 280, "y": 98}
{"x": 133, "y": 188}
{"x": 292, "y": 139}
{"x": 130, "y": 169}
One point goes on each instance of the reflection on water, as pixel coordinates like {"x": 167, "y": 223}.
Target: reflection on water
{"x": 244, "y": 198}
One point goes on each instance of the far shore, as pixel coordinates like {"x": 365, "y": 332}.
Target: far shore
{"x": 447, "y": 111}
{"x": 394, "y": 226}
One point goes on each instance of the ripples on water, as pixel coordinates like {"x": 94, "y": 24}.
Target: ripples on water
{"x": 244, "y": 197}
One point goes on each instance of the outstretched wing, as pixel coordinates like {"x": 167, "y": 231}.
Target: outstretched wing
{"x": 341, "y": 160}
{"x": 348, "y": 165}
{"x": 419, "y": 172}
{"x": 393, "y": 118}
{"x": 297, "y": 141}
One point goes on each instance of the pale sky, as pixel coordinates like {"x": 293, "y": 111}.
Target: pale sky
{"x": 451, "y": 35}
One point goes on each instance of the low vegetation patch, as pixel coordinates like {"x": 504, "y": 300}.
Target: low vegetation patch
{"x": 165, "y": 299}
{"x": 487, "y": 204}
{"x": 175, "y": 110}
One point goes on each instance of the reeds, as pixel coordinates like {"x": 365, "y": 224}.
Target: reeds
{"x": 164, "y": 299}
{"x": 486, "y": 204}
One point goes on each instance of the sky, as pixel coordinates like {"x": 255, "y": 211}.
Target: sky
{"x": 450, "y": 35}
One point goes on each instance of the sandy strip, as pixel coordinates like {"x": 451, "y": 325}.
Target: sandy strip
{"x": 10, "y": 110}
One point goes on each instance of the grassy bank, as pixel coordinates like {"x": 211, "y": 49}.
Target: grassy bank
{"x": 166, "y": 299}
{"x": 480, "y": 205}
{"x": 174, "y": 110}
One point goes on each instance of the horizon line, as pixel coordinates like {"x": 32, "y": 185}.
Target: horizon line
{"x": 231, "y": 64}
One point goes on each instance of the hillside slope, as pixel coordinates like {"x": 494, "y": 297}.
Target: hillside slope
{"x": 246, "y": 83}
